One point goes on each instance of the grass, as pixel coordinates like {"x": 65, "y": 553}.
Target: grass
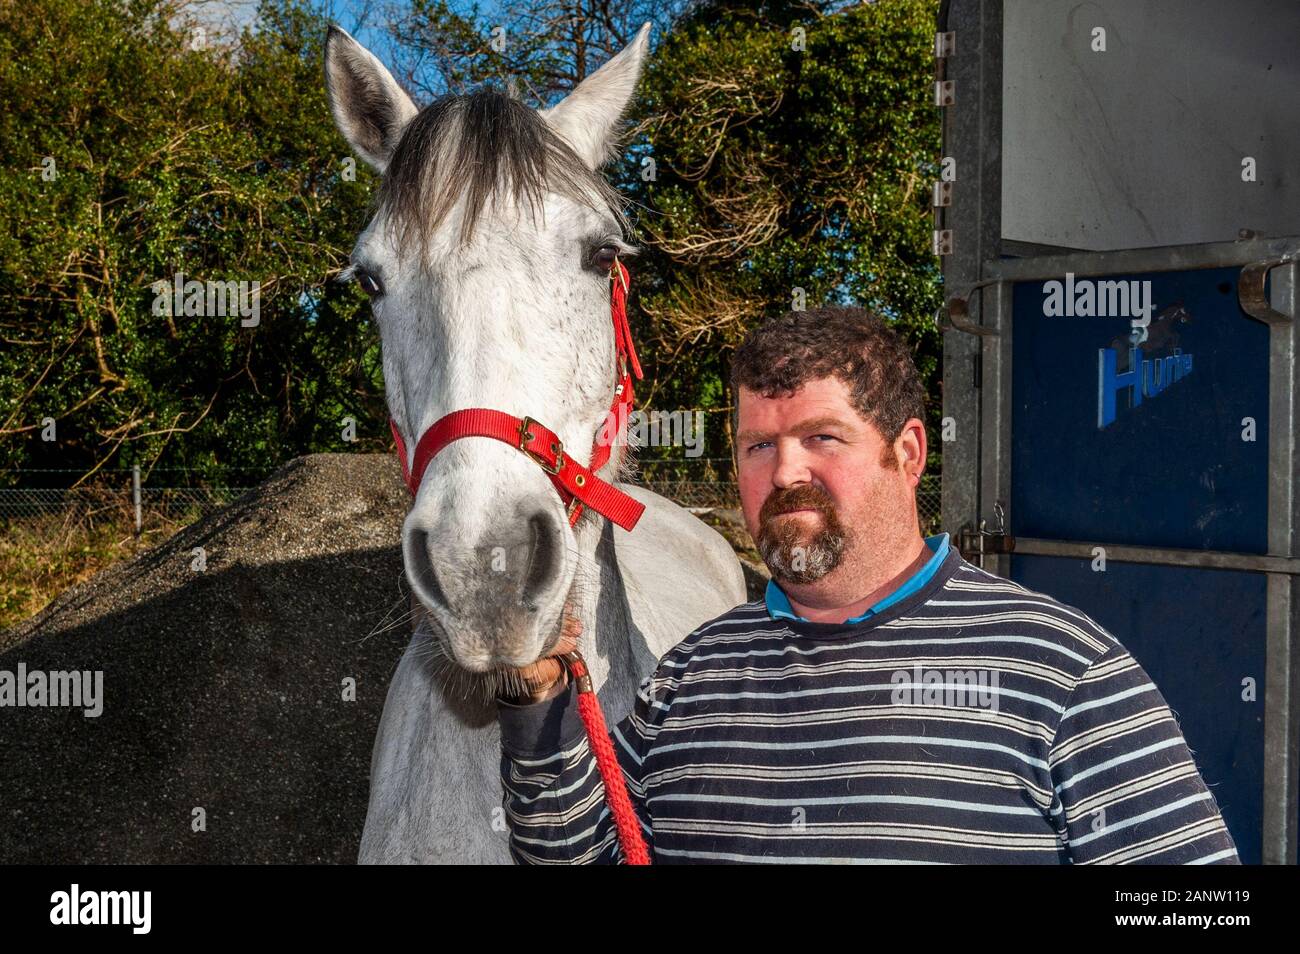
{"x": 43, "y": 555}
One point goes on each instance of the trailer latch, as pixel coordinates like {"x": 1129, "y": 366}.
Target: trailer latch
{"x": 975, "y": 544}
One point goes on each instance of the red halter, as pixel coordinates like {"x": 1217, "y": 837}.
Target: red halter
{"x": 577, "y": 485}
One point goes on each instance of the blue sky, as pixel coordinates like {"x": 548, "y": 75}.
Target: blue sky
{"x": 352, "y": 15}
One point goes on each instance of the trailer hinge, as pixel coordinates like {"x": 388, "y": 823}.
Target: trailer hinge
{"x": 945, "y": 90}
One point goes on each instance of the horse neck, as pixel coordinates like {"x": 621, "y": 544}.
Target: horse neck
{"x": 601, "y": 603}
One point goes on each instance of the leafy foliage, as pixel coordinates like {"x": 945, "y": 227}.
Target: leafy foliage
{"x": 221, "y": 164}
{"x": 777, "y": 169}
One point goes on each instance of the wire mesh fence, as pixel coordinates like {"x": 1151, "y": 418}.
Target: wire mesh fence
{"x": 116, "y": 495}
{"x": 166, "y": 495}
{"x": 172, "y": 503}
{"x": 54, "y": 535}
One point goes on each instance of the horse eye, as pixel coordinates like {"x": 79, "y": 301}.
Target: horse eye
{"x": 605, "y": 257}
{"x": 369, "y": 284}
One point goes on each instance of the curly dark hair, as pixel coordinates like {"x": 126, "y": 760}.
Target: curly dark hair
{"x": 782, "y": 354}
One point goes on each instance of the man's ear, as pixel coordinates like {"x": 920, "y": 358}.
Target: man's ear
{"x": 913, "y": 447}
{"x": 587, "y": 119}
{"x": 369, "y": 108}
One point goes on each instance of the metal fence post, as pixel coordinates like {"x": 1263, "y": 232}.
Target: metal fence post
{"x": 135, "y": 494}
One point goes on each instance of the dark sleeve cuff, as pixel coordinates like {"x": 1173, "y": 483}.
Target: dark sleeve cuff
{"x": 542, "y": 728}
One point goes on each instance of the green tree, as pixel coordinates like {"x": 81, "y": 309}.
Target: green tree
{"x": 134, "y": 150}
{"x": 543, "y": 48}
{"x": 792, "y": 146}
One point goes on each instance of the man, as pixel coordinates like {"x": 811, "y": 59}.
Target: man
{"x": 886, "y": 701}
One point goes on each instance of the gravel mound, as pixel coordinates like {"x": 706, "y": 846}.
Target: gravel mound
{"x": 223, "y": 689}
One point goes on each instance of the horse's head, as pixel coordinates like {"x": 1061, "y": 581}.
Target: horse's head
{"x": 488, "y": 261}
{"x": 1174, "y": 314}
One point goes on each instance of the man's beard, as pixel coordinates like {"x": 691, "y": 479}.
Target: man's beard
{"x": 783, "y": 541}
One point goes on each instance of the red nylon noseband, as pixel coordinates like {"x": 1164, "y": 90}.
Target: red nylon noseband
{"x": 578, "y": 486}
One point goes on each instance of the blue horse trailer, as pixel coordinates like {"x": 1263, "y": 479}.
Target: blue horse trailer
{"x": 1119, "y": 227}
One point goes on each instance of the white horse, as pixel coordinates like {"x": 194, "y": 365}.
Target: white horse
{"x": 487, "y": 260}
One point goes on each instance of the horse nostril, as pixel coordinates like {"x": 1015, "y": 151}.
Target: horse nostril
{"x": 544, "y": 562}
{"x": 419, "y": 566}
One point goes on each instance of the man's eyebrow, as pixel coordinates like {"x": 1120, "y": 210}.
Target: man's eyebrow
{"x": 803, "y": 427}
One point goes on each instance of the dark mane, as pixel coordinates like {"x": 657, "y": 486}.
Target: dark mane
{"x": 475, "y": 146}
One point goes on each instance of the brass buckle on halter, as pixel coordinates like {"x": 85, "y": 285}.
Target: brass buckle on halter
{"x": 557, "y": 447}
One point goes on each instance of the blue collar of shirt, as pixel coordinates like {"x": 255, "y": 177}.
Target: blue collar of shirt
{"x": 778, "y": 604}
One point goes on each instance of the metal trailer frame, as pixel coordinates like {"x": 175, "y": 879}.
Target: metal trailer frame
{"x": 977, "y": 358}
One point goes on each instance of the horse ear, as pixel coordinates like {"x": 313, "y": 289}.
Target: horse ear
{"x": 588, "y": 117}
{"x": 369, "y": 108}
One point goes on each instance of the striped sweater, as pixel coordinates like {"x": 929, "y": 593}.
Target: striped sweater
{"x": 973, "y": 721}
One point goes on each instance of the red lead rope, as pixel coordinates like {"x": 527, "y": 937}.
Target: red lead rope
{"x": 578, "y": 486}
{"x": 626, "y": 823}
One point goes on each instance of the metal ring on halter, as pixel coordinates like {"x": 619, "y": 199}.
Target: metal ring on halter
{"x": 617, "y": 273}
{"x": 578, "y": 671}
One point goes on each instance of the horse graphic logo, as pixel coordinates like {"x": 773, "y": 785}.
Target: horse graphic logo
{"x": 1159, "y": 337}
